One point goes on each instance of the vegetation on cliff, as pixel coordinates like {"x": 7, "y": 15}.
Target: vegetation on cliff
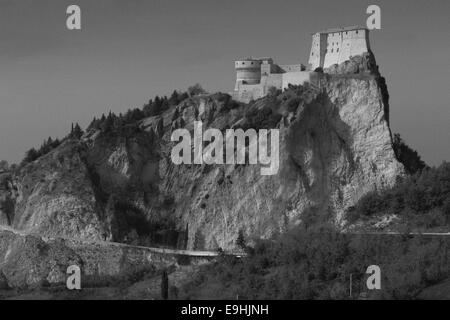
{"x": 422, "y": 200}
{"x": 407, "y": 156}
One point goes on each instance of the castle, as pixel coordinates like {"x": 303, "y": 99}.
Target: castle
{"x": 255, "y": 76}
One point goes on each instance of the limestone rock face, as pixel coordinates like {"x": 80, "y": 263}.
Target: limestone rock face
{"x": 335, "y": 145}
{"x": 53, "y": 196}
{"x": 355, "y": 65}
{"x": 333, "y": 149}
{"x": 27, "y": 261}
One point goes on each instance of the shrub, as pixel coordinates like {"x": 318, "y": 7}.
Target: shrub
{"x": 302, "y": 264}
{"x": 195, "y": 90}
{"x": 423, "y": 197}
{"x": 409, "y": 157}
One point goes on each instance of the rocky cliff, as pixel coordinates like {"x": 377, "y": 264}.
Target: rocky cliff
{"x": 335, "y": 145}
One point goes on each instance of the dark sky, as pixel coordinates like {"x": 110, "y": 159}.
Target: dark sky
{"x": 130, "y": 50}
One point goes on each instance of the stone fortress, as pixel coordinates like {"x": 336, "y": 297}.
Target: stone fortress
{"x": 255, "y": 76}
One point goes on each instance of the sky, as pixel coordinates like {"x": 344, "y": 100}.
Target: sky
{"x": 128, "y": 51}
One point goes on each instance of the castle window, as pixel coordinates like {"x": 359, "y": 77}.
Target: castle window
{"x": 337, "y": 50}
{"x": 356, "y": 31}
{"x": 331, "y": 50}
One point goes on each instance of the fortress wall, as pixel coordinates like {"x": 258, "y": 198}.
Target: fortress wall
{"x": 291, "y": 67}
{"x": 360, "y": 43}
{"x": 318, "y": 49}
{"x": 314, "y": 56}
{"x": 295, "y": 78}
{"x": 355, "y": 42}
{"x": 346, "y": 50}
{"x": 336, "y": 47}
{"x": 246, "y": 93}
{"x": 266, "y": 69}
{"x": 334, "y": 44}
{"x": 274, "y": 80}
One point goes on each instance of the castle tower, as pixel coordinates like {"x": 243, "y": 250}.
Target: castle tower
{"x": 334, "y": 46}
{"x": 248, "y": 71}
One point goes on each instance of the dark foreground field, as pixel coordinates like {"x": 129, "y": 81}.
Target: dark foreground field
{"x": 317, "y": 264}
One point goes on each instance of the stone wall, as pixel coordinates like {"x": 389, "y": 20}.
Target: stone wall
{"x": 295, "y": 78}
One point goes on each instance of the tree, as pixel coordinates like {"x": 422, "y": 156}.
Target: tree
{"x": 31, "y": 155}
{"x": 95, "y": 124}
{"x": 107, "y": 124}
{"x": 409, "y": 157}
{"x": 184, "y": 96}
{"x": 272, "y": 91}
{"x": 165, "y": 104}
{"x": 76, "y": 132}
{"x": 174, "y": 98}
{"x": 240, "y": 241}
{"x": 154, "y": 108}
{"x": 4, "y": 166}
{"x": 195, "y": 90}
{"x": 164, "y": 285}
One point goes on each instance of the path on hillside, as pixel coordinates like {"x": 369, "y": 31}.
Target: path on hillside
{"x": 191, "y": 253}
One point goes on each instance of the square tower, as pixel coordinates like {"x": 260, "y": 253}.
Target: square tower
{"x": 334, "y": 46}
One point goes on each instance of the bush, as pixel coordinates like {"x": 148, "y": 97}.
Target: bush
{"x": 273, "y": 92}
{"x": 302, "y": 264}
{"x": 318, "y": 70}
{"x": 195, "y": 90}
{"x": 409, "y": 157}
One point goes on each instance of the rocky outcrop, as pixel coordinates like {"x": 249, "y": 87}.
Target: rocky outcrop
{"x": 335, "y": 146}
{"x": 361, "y": 64}
{"x": 53, "y": 196}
